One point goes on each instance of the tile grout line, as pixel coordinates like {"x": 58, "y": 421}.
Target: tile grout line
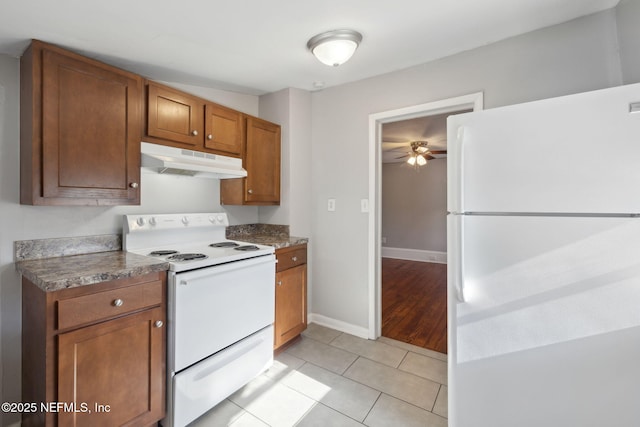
{"x": 436, "y": 399}
{"x": 406, "y": 353}
{"x": 372, "y": 406}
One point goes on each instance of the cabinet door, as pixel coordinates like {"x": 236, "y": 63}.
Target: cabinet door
{"x": 262, "y": 162}
{"x": 91, "y": 131}
{"x": 291, "y": 304}
{"x": 174, "y": 116}
{"x": 113, "y": 372}
{"x": 223, "y": 130}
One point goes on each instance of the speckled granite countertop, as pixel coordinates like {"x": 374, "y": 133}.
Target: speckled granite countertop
{"x": 63, "y": 271}
{"x": 265, "y": 234}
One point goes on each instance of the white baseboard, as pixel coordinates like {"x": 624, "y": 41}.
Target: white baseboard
{"x": 338, "y": 325}
{"x": 414, "y": 255}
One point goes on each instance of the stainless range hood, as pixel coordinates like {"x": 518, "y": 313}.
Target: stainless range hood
{"x": 178, "y": 161}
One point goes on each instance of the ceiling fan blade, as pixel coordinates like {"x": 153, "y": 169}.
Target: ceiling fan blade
{"x": 402, "y": 157}
{"x": 429, "y": 157}
{"x": 386, "y": 145}
{"x": 438, "y": 151}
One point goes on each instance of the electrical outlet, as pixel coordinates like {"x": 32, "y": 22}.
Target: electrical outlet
{"x": 331, "y": 205}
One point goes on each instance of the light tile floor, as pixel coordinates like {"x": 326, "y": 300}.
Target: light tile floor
{"x": 329, "y": 378}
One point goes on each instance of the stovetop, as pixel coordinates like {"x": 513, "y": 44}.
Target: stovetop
{"x": 187, "y": 241}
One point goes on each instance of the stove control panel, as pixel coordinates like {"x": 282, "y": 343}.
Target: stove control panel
{"x": 134, "y": 223}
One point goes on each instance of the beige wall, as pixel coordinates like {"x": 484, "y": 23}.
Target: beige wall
{"x": 414, "y": 206}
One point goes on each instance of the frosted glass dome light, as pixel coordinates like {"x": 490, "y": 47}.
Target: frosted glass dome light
{"x": 335, "y": 47}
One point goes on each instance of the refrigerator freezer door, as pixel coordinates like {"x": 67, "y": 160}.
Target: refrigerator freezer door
{"x": 549, "y": 333}
{"x": 575, "y": 154}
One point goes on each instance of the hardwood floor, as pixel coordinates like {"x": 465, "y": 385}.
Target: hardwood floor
{"x": 414, "y": 303}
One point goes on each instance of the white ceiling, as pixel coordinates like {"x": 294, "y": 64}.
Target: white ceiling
{"x": 258, "y": 46}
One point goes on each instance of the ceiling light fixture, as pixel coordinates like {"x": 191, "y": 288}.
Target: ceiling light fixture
{"x": 335, "y": 47}
{"x": 420, "y": 153}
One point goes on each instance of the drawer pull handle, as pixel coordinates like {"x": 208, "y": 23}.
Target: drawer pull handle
{"x": 194, "y": 132}
{"x": 209, "y": 137}
{"x": 158, "y": 324}
{"x": 117, "y": 302}
{"x": 294, "y": 259}
{"x": 279, "y": 282}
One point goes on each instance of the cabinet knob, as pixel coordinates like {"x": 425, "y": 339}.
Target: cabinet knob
{"x": 294, "y": 258}
{"x": 209, "y": 137}
{"x": 133, "y": 185}
{"x": 279, "y": 282}
{"x": 117, "y": 302}
{"x": 250, "y": 191}
{"x": 194, "y": 132}
{"x": 158, "y": 324}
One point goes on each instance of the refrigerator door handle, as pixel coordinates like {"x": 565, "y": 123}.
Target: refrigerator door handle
{"x": 456, "y": 230}
{"x": 461, "y": 134}
{"x": 455, "y": 166}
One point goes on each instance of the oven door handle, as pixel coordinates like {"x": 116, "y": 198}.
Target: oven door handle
{"x": 227, "y": 356}
{"x": 185, "y": 277}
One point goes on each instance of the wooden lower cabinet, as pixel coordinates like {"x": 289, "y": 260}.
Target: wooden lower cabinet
{"x": 291, "y": 294}
{"x": 102, "y": 371}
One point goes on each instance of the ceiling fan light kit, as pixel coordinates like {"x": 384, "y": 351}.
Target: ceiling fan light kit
{"x": 335, "y": 47}
{"x": 420, "y": 151}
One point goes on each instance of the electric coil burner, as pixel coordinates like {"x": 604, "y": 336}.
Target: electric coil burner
{"x": 163, "y": 253}
{"x": 224, "y": 245}
{"x": 220, "y": 307}
{"x": 186, "y": 257}
{"x": 246, "y": 248}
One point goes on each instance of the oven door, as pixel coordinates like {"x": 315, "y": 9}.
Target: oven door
{"x": 214, "y": 307}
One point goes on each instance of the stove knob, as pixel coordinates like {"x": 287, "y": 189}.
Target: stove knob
{"x": 220, "y": 219}
{"x": 152, "y": 220}
{"x": 185, "y": 220}
{"x": 212, "y": 220}
{"x": 140, "y": 221}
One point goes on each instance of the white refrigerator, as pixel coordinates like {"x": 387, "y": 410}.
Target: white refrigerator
{"x": 544, "y": 263}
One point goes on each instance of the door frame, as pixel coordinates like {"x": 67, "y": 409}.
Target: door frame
{"x": 473, "y": 101}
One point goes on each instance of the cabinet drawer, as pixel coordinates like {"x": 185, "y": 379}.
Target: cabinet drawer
{"x": 288, "y": 258}
{"x": 104, "y": 305}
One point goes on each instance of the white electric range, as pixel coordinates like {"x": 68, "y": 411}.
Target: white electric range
{"x": 220, "y": 307}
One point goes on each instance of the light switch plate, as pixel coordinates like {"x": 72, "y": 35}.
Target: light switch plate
{"x": 364, "y": 205}
{"x": 331, "y": 205}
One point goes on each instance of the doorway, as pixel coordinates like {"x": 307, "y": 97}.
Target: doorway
{"x": 376, "y": 121}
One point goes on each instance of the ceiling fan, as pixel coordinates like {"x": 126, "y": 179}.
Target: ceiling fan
{"x": 420, "y": 153}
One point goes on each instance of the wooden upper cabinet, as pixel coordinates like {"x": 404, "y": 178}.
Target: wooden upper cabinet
{"x": 80, "y": 130}
{"x": 262, "y": 161}
{"x": 181, "y": 120}
{"x": 224, "y": 130}
{"x": 174, "y": 116}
